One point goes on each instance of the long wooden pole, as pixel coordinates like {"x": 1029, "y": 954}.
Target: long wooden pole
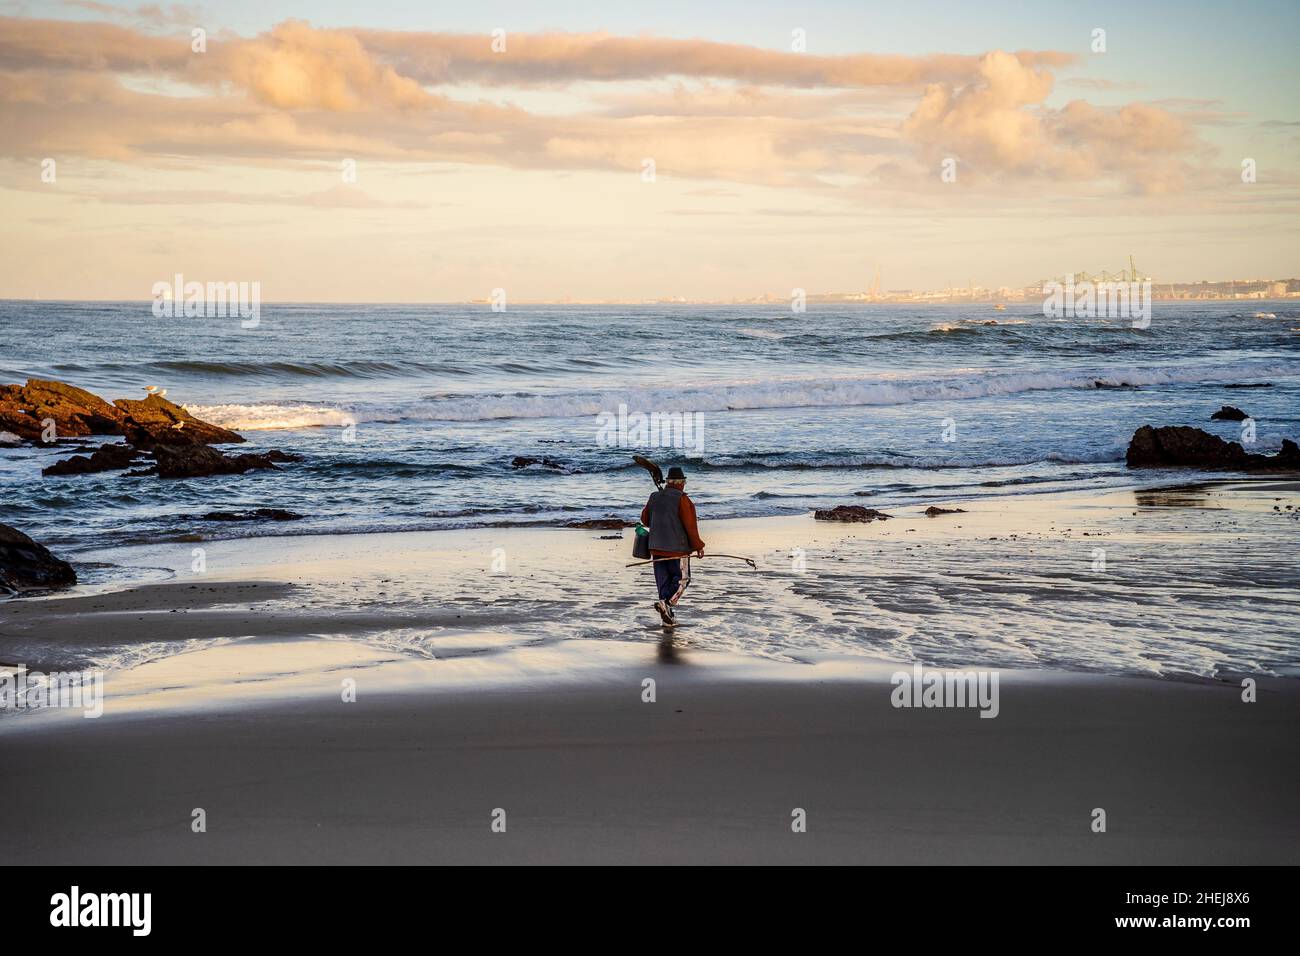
{"x": 735, "y": 557}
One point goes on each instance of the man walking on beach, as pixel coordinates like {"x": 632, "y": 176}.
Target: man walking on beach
{"x": 670, "y": 516}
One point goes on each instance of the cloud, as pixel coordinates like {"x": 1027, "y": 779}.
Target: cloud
{"x": 149, "y": 14}
{"x": 27, "y": 44}
{"x": 1097, "y": 83}
{"x": 438, "y": 58}
{"x": 296, "y": 67}
{"x": 700, "y": 109}
{"x": 986, "y": 120}
{"x": 998, "y": 127}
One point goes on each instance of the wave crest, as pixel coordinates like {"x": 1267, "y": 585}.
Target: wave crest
{"x": 823, "y": 392}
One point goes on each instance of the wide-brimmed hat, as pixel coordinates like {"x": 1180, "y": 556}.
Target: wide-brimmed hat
{"x": 676, "y": 474}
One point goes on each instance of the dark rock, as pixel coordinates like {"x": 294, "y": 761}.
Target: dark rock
{"x": 282, "y": 456}
{"x": 257, "y": 514}
{"x": 934, "y": 511}
{"x": 850, "y": 513}
{"x": 103, "y": 458}
{"x": 602, "y": 524}
{"x": 198, "y": 461}
{"x": 74, "y": 411}
{"x": 26, "y": 565}
{"x": 1229, "y": 413}
{"x": 15, "y": 419}
{"x": 256, "y": 461}
{"x": 1180, "y": 446}
{"x": 154, "y": 421}
{"x": 1100, "y": 384}
{"x": 520, "y": 461}
{"x": 1251, "y": 385}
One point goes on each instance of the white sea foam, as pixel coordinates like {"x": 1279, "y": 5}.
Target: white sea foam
{"x": 926, "y": 462}
{"x": 881, "y": 389}
{"x": 272, "y": 417}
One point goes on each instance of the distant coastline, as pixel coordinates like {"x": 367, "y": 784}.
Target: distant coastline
{"x": 1227, "y": 290}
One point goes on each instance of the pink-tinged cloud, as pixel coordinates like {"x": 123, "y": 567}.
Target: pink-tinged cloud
{"x": 733, "y": 112}
{"x": 61, "y": 45}
{"x": 438, "y": 58}
{"x": 998, "y": 126}
{"x": 296, "y": 67}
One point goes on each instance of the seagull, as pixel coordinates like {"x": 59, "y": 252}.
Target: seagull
{"x": 161, "y": 393}
{"x": 151, "y": 389}
{"x": 178, "y": 426}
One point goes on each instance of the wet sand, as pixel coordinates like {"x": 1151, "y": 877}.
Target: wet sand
{"x": 462, "y": 707}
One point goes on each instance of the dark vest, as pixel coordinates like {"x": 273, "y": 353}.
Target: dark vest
{"x": 667, "y": 533}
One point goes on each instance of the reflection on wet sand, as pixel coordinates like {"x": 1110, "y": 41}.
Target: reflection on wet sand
{"x": 669, "y": 653}
{"x": 1190, "y": 581}
{"x": 1183, "y": 496}
{"x": 1239, "y": 494}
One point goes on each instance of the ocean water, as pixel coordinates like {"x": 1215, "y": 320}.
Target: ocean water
{"x": 408, "y": 417}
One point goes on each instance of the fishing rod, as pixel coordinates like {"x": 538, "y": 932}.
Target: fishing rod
{"x": 735, "y": 557}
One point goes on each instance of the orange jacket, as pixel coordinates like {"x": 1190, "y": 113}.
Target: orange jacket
{"x": 686, "y": 509}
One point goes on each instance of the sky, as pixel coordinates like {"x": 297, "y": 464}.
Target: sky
{"x": 430, "y": 152}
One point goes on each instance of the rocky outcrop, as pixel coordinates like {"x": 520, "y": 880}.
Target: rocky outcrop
{"x": 154, "y": 421}
{"x": 169, "y": 461}
{"x": 43, "y": 410}
{"x": 103, "y": 458}
{"x": 73, "y": 412}
{"x": 522, "y": 461}
{"x": 1180, "y": 446}
{"x": 15, "y": 419}
{"x": 602, "y": 524}
{"x": 200, "y": 461}
{"x": 1230, "y": 413}
{"x": 281, "y": 456}
{"x": 257, "y": 514}
{"x": 934, "y": 511}
{"x": 850, "y": 513}
{"x": 26, "y": 565}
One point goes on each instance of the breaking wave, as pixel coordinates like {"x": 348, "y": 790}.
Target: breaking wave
{"x": 723, "y": 396}
{"x": 272, "y": 417}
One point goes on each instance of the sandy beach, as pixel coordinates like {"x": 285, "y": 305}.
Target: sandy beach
{"x": 711, "y": 772}
{"x": 940, "y": 361}
{"x": 226, "y": 691}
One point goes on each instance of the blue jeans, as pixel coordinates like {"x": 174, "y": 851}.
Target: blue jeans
{"x": 673, "y": 576}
